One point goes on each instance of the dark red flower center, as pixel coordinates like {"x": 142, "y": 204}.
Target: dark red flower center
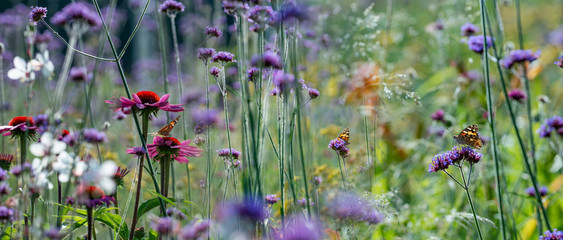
{"x": 22, "y": 119}
{"x": 148, "y": 97}
{"x": 174, "y": 141}
{"x": 91, "y": 192}
{"x": 65, "y": 132}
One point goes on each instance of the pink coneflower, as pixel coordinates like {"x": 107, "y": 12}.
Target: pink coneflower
{"x": 92, "y": 196}
{"x": 146, "y": 102}
{"x": 18, "y": 127}
{"x": 172, "y": 148}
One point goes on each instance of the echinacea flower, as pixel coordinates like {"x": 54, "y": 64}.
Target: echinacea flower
{"x": 19, "y": 126}
{"x": 146, "y": 102}
{"x": 92, "y": 196}
{"x": 171, "y": 148}
{"x": 6, "y": 161}
{"x": 553, "y": 235}
{"x": 37, "y": 14}
{"x": 119, "y": 175}
{"x": 468, "y": 29}
{"x": 22, "y": 70}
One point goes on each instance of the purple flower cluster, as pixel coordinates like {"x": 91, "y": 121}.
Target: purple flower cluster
{"x": 519, "y": 56}
{"x": 37, "y": 14}
{"x": 7, "y": 214}
{"x": 171, "y": 7}
{"x": 213, "y": 32}
{"x": 283, "y": 82}
{"x": 78, "y": 74}
{"x": 554, "y": 235}
{"x": 559, "y": 61}
{"x": 468, "y": 29}
{"x": 267, "y": 60}
{"x": 517, "y": 95}
{"x": 438, "y": 115}
{"x": 175, "y": 212}
{"x": 261, "y": 16}
{"x": 543, "y": 191}
{"x": 165, "y": 225}
{"x": 214, "y": 71}
{"x": 205, "y": 53}
{"x": 272, "y": 199}
{"x": 353, "y": 208}
{"x": 340, "y": 146}
{"x": 253, "y": 73}
{"x": 475, "y": 43}
{"x": 77, "y": 12}
{"x": 552, "y": 124}
{"x": 224, "y": 153}
{"x": 195, "y": 230}
{"x": 313, "y": 93}
{"x": 232, "y": 6}
{"x": 223, "y": 57}
{"x": 91, "y": 135}
{"x": 42, "y": 123}
{"x": 302, "y": 229}
{"x": 454, "y": 157}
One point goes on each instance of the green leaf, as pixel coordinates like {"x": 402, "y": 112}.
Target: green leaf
{"x": 114, "y": 221}
{"x": 70, "y": 229}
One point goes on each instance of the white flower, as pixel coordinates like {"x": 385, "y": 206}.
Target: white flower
{"x": 42, "y": 63}
{"x": 101, "y": 175}
{"x": 63, "y": 165}
{"x": 48, "y": 146}
{"x": 22, "y": 71}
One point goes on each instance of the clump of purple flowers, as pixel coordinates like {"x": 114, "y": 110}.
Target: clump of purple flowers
{"x": 283, "y": 81}
{"x": 261, "y": 16}
{"x": 77, "y": 12}
{"x": 340, "y": 147}
{"x": 468, "y": 29}
{"x": 171, "y": 7}
{"x": 517, "y": 95}
{"x": 268, "y": 59}
{"x": 476, "y": 44}
{"x": 543, "y": 191}
{"x": 37, "y": 14}
{"x": 91, "y": 135}
{"x": 224, "y": 153}
{"x": 519, "y": 56}
{"x": 554, "y": 235}
{"x": 456, "y": 156}
{"x": 559, "y": 61}
{"x": 223, "y": 57}
{"x": 165, "y": 225}
{"x": 205, "y": 53}
{"x": 213, "y": 32}
{"x": 272, "y": 199}
{"x": 351, "y": 207}
{"x": 195, "y": 230}
{"x": 552, "y": 124}
{"x": 303, "y": 229}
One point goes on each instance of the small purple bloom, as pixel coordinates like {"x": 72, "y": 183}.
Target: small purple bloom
{"x": 223, "y": 57}
{"x": 261, "y": 16}
{"x": 517, "y": 95}
{"x": 171, "y": 7}
{"x": 519, "y": 56}
{"x": 205, "y": 53}
{"x": 92, "y": 135}
{"x": 313, "y": 93}
{"x": 37, "y": 14}
{"x": 543, "y": 191}
{"x": 137, "y": 151}
{"x": 268, "y": 59}
{"x": 283, "y": 81}
{"x": 78, "y": 74}
{"x": 340, "y": 146}
{"x": 175, "y": 212}
{"x": 439, "y": 162}
{"x": 5, "y": 189}
{"x": 468, "y": 29}
{"x": 353, "y": 208}
{"x": 253, "y": 74}
{"x": 476, "y": 44}
{"x": 224, "y": 153}
{"x": 77, "y": 12}
{"x": 7, "y": 214}
{"x": 317, "y": 180}
{"x": 213, "y": 32}
{"x": 4, "y": 175}
{"x": 552, "y": 124}
{"x": 272, "y": 199}
{"x": 559, "y": 61}
{"x": 303, "y": 229}
{"x": 195, "y": 230}
{"x": 215, "y": 71}
{"x": 554, "y": 235}
{"x": 438, "y": 115}
{"x": 165, "y": 225}
{"x": 53, "y": 234}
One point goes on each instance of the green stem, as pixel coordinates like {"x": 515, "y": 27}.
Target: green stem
{"x": 341, "y": 172}
{"x": 207, "y": 143}
{"x": 491, "y": 119}
{"x": 90, "y": 222}
{"x": 466, "y": 188}
{"x": 139, "y": 179}
{"x": 227, "y": 129}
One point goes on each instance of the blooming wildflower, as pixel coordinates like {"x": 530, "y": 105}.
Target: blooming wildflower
{"x": 7, "y": 214}
{"x": 119, "y": 175}
{"x": 205, "y": 118}
{"x": 303, "y": 229}
{"x": 69, "y": 138}
{"x": 215, "y": 71}
{"x": 137, "y": 151}
{"x": 340, "y": 146}
{"x": 42, "y": 123}
{"x": 517, "y": 95}
{"x": 272, "y": 199}
{"x": 94, "y": 174}
{"x": 223, "y": 57}
{"x": 476, "y": 44}
{"x": 5, "y": 189}
{"x": 213, "y": 32}
{"x": 553, "y": 235}
{"x": 42, "y": 63}
{"x": 252, "y": 73}
{"x": 205, "y": 53}
{"x": 267, "y": 60}
{"x": 317, "y": 180}
{"x": 303, "y": 202}
{"x": 468, "y": 29}
{"x": 195, "y": 230}
{"x": 171, "y": 148}
{"x": 19, "y": 126}
{"x": 6, "y": 161}
{"x": 172, "y": 211}
{"x": 552, "y": 124}
{"x": 53, "y": 234}
{"x": 438, "y": 115}
{"x": 292, "y": 13}
{"x": 559, "y": 61}
{"x": 261, "y": 16}
{"x": 519, "y": 56}
{"x": 543, "y": 191}
{"x": 351, "y": 207}
{"x": 91, "y": 135}
{"x": 92, "y": 196}
{"x": 236, "y": 164}
{"x": 231, "y": 7}
{"x": 165, "y": 226}
{"x": 22, "y": 70}
{"x": 313, "y": 93}
{"x": 69, "y": 201}
{"x": 77, "y": 12}
{"x": 119, "y": 115}
{"x": 224, "y": 153}
{"x": 171, "y": 7}
{"x": 3, "y": 175}
{"x": 283, "y": 81}
{"x": 146, "y": 102}
{"x": 37, "y": 14}
{"x": 78, "y": 74}
{"x": 439, "y": 162}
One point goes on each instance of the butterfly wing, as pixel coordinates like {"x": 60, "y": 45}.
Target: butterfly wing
{"x": 165, "y": 131}
{"x": 470, "y": 136}
{"x": 345, "y": 135}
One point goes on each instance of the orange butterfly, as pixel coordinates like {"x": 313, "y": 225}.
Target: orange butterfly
{"x": 470, "y": 136}
{"x": 165, "y": 131}
{"x": 345, "y": 135}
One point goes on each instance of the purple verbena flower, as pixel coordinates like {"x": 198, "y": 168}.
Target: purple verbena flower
{"x": 91, "y": 135}
{"x": 261, "y": 16}
{"x": 519, "y": 56}
{"x": 543, "y": 191}
{"x": 303, "y": 229}
{"x": 438, "y": 115}
{"x": 205, "y": 53}
{"x": 253, "y": 74}
{"x": 353, "y": 208}
{"x": 224, "y": 153}
{"x": 214, "y": 71}
{"x": 78, "y": 74}
{"x": 37, "y": 14}
{"x": 439, "y": 162}
{"x": 553, "y": 235}
{"x": 171, "y": 7}
{"x": 223, "y": 57}
{"x": 551, "y": 124}
{"x": 165, "y": 226}
{"x": 283, "y": 81}
{"x": 77, "y": 12}
{"x": 468, "y": 29}
{"x": 559, "y": 61}
{"x": 53, "y": 234}
{"x": 340, "y": 147}
{"x": 267, "y": 60}
{"x": 272, "y": 199}
{"x": 476, "y": 44}
{"x": 313, "y": 93}
{"x": 7, "y": 215}
{"x": 195, "y": 230}
{"x": 517, "y": 95}
{"x": 213, "y": 31}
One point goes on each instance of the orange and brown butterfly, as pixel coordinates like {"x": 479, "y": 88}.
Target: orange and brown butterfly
{"x": 470, "y": 136}
{"x": 345, "y": 135}
{"x": 165, "y": 131}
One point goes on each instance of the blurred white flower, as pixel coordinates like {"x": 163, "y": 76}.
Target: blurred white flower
{"x": 42, "y": 63}
{"x": 64, "y": 164}
{"x": 22, "y": 71}
{"x": 48, "y": 146}
{"x": 101, "y": 175}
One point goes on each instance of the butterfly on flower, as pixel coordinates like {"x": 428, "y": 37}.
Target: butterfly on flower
{"x": 470, "y": 136}
{"x": 165, "y": 131}
{"x": 345, "y": 135}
